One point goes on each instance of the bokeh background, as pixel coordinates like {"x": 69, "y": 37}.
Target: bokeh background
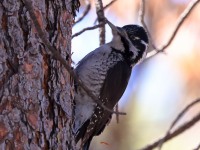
{"x": 161, "y": 86}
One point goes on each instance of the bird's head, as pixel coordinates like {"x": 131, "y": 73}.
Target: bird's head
{"x": 134, "y": 41}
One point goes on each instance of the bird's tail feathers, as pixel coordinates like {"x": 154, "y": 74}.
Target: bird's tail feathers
{"x": 87, "y": 144}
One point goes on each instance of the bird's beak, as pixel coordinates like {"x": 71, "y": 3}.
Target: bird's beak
{"x": 115, "y": 30}
{"x": 112, "y": 26}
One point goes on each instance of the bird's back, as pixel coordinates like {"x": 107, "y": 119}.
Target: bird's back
{"x": 106, "y": 74}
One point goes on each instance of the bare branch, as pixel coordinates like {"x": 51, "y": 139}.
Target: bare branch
{"x": 84, "y": 14}
{"x": 180, "y": 115}
{"x": 101, "y": 20}
{"x": 86, "y": 29}
{"x": 141, "y": 19}
{"x": 177, "y": 132}
{"x": 105, "y": 7}
{"x": 87, "y": 9}
{"x": 197, "y": 148}
{"x": 117, "y": 110}
{"x": 58, "y": 57}
{"x": 109, "y": 4}
{"x": 190, "y": 123}
{"x": 180, "y": 21}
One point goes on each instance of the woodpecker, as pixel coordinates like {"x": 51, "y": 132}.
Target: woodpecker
{"x": 106, "y": 72}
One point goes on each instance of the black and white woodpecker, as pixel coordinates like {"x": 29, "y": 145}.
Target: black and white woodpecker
{"x": 106, "y": 72}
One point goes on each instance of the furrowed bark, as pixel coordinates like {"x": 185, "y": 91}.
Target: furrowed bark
{"x": 35, "y": 90}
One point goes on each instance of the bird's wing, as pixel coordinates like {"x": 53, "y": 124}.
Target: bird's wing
{"x": 112, "y": 90}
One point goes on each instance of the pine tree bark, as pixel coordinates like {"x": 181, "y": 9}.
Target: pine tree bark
{"x": 35, "y": 90}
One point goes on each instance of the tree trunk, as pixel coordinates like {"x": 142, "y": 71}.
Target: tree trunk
{"x": 35, "y": 89}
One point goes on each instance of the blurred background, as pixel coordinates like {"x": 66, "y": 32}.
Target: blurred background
{"x": 161, "y": 86}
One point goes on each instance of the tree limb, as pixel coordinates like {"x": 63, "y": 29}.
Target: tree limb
{"x": 84, "y": 14}
{"x": 180, "y": 115}
{"x": 105, "y": 7}
{"x": 141, "y": 19}
{"x": 101, "y": 20}
{"x": 180, "y": 21}
{"x": 109, "y": 4}
{"x": 177, "y": 132}
{"x": 86, "y": 29}
{"x": 197, "y": 148}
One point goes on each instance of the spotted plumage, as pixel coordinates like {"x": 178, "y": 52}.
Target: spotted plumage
{"x": 106, "y": 72}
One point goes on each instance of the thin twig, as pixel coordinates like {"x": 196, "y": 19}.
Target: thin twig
{"x": 101, "y": 20}
{"x": 86, "y": 29}
{"x": 109, "y": 4}
{"x": 87, "y": 9}
{"x": 177, "y": 132}
{"x": 180, "y": 115}
{"x": 58, "y": 57}
{"x": 105, "y": 7}
{"x": 117, "y": 110}
{"x": 141, "y": 19}
{"x": 197, "y": 148}
{"x": 183, "y": 112}
{"x": 180, "y": 21}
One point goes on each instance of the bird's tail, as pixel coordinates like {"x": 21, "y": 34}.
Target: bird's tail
{"x": 87, "y": 144}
